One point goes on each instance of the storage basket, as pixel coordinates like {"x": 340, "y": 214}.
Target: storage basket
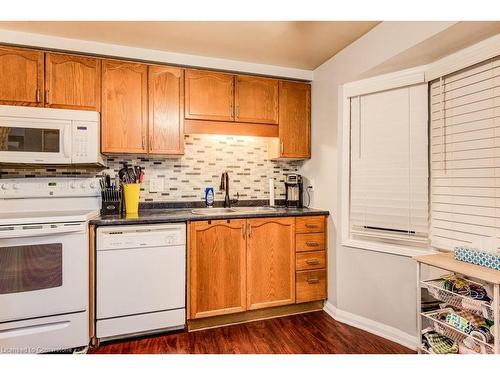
{"x": 435, "y": 288}
{"x": 461, "y": 338}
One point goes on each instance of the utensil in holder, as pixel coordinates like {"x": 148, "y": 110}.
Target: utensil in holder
{"x": 111, "y": 202}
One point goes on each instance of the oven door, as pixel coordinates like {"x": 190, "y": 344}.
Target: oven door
{"x": 44, "y": 270}
{"x": 35, "y": 141}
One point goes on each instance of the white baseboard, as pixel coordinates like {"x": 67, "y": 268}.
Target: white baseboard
{"x": 379, "y": 329}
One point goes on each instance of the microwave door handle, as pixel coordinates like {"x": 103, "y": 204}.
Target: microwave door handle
{"x": 66, "y": 141}
{"x": 34, "y": 230}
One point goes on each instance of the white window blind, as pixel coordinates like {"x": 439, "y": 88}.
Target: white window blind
{"x": 389, "y": 165}
{"x": 465, "y": 156}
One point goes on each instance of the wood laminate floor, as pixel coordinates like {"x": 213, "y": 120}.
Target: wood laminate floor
{"x": 314, "y": 332}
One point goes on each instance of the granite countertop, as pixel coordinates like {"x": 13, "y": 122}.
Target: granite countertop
{"x": 175, "y": 215}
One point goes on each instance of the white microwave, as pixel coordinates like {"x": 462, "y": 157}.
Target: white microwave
{"x": 31, "y": 135}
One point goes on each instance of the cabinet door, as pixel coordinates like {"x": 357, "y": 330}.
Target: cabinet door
{"x": 256, "y": 100}
{"x": 209, "y": 96}
{"x": 295, "y": 119}
{"x": 124, "y": 107}
{"x": 72, "y": 82}
{"x": 270, "y": 262}
{"x": 217, "y": 269}
{"x": 21, "y": 77}
{"x": 166, "y": 101}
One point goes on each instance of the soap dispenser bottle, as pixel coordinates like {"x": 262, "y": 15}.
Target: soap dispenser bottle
{"x": 209, "y": 196}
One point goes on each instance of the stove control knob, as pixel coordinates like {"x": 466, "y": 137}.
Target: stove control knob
{"x": 83, "y": 185}
{"x": 72, "y": 185}
{"x": 5, "y": 186}
{"x": 92, "y": 185}
{"x": 15, "y": 186}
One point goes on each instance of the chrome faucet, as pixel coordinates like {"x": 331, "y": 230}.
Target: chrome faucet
{"x": 224, "y": 185}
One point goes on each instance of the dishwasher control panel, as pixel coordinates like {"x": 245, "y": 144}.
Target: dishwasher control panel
{"x": 137, "y": 236}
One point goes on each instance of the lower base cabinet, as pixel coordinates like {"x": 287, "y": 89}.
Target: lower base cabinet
{"x": 311, "y": 285}
{"x": 270, "y": 262}
{"x": 238, "y": 265}
{"x": 217, "y": 268}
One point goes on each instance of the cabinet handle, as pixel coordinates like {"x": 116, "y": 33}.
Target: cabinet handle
{"x": 282, "y": 148}
{"x": 142, "y": 140}
{"x": 249, "y": 230}
{"x": 312, "y": 262}
{"x": 243, "y": 230}
{"x": 37, "y": 94}
{"x": 311, "y": 226}
{"x": 312, "y": 243}
{"x": 313, "y": 280}
{"x": 46, "y": 96}
{"x": 237, "y": 111}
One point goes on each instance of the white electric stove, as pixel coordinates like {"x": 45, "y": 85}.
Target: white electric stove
{"x": 44, "y": 261}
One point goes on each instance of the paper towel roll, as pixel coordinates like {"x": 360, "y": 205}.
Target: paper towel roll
{"x": 271, "y": 192}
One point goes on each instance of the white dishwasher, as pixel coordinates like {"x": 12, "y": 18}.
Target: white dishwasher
{"x": 140, "y": 279}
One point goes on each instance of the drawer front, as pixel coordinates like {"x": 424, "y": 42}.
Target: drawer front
{"x": 310, "y": 224}
{"x": 310, "y": 261}
{"x": 311, "y": 286}
{"x": 310, "y": 242}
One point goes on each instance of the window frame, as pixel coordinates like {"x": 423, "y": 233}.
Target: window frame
{"x": 385, "y": 82}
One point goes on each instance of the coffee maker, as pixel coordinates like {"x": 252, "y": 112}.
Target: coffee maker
{"x": 293, "y": 190}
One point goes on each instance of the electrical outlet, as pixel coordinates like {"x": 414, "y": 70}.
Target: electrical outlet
{"x": 156, "y": 185}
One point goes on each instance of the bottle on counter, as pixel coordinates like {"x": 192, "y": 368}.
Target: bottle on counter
{"x": 209, "y": 196}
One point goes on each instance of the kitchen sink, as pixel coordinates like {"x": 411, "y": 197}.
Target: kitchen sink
{"x": 240, "y": 210}
{"x": 255, "y": 209}
{"x": 212, "y": 211}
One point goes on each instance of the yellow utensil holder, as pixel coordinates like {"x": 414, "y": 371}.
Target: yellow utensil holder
{"x": 131, "y": 193}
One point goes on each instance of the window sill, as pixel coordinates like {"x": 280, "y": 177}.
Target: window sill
{"x": 401, "y": 250}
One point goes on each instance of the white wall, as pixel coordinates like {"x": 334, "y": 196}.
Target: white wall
{"x": 376, "y": 286}
{"x": 107, "y": 49}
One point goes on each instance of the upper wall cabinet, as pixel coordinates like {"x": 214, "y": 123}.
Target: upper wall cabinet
{"x": 124, "y": 107}
{"x": 166, "y": 102}
{"x": 256, "y": 100}
{"x": 294, "y": 122}
{"x": 21, "y": 77}
{"x": 209, "y": 96}
{"x": 72, "y": 82}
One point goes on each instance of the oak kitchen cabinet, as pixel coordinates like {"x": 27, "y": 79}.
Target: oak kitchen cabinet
{"x": 310, "y": 258}
{"x": 21, "y": 77}
{"x": 166, "y": 106}
{"x": 209, "y": 95}
{"x": 256, "y": 99}
{"x": 216, "y": 271}
{"x": 219, "y": 99}
{"x": 63, "y": 81}
{"x": 294, "y": 139}
{"x": 270, "y": 262}
{"x": 72, "y": 82}
{"x": 124, "y": 117}
{"x": 142, "y": 108}
{"x": 241, "y": 265}
{"x": 146, "y": 109}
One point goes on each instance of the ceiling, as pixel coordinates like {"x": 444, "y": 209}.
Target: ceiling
{"x": 295, "y": 44}
{"x": 459, "y": 36}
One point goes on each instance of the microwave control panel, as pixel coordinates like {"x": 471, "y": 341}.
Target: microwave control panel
{"x": 85, "y": 141}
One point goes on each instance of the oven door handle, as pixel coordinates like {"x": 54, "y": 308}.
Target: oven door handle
{"x": 38, "y": 230}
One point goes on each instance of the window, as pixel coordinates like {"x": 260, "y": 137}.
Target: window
{"x": 465, "y": 157}
{"x": 389, "y": 165}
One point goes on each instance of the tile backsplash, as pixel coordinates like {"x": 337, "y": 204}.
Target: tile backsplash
{"x": 185, "y": 177}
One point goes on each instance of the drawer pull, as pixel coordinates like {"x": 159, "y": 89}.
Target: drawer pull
{"x": 311, "y": 226}
{"x": 312, "y": 243}
{"x": 312, "y": 262}
{"x": 313, "y": 280}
